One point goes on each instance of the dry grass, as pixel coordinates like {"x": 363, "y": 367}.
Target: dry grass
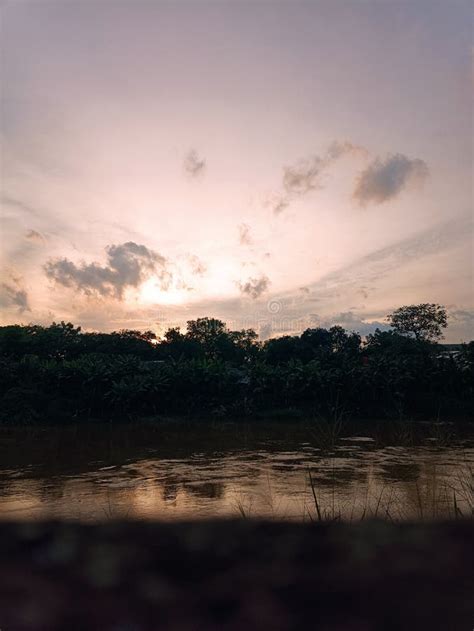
{"x": 437, "y": 499}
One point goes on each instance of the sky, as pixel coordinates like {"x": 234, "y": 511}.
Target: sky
{"x": 277, "y": 165}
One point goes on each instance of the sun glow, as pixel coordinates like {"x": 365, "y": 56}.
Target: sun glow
{"x": 152, "y": 293}
{"x": 219, "y": 281}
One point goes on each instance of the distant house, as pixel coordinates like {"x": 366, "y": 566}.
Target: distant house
{"x": 449, "y": 350}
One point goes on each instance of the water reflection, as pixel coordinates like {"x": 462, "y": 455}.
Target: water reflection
{"x": 176, "y": 472}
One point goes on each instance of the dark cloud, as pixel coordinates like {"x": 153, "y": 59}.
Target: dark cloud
{"x": 383, "y": 180}
{"x": 128, "y": 265}
{"x": 255, "y": 287}
{"x": 12, "y": 295}
{"x": 193, "y": 164}
{"x": 245, "y": 237}
{"x": 305, "y": 176}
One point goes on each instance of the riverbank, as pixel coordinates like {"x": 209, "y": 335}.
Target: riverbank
{"x": 236, "y": 575}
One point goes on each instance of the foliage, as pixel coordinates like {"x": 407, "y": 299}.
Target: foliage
{"x": 59, "y": 372}
{"x": 424, "y": 321}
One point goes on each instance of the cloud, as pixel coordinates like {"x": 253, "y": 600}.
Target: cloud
{"x": 193, "y": 164}
{"x": 364, "y": 292}
{"x": 34, "y": 235}
{"x": 12, "y": 202}
{"x": 306, "y": 175}
{"x": 338, "y": 149}
{"x": 245, "y": 238}
{"x": 350, "y": 321}
{"x": 463, "y": 318}
{"x": 128, "y": 265}
{"x": 277, "y": 202}
{"x": 379, "y": 263}
{"x": 198, "y": 268}
{"x": 357, "y": 295}
{"x": 303, "y": 176}
{"x": 12, "y": 295}
{"x": 461, "y": 322}
{"x": 255, "y": 287}
{"x": 265, "y": 331}
{"x": 383, "y": 180}
{"x": 462, "y": 315}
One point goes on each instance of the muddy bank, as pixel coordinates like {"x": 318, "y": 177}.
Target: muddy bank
{"x": 132, "y": 576}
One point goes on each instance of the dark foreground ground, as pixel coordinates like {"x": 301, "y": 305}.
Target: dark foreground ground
{"x": 236, "y": 575}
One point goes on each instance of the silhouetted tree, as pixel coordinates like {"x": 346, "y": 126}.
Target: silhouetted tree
{"x": 312, "y": 344}
{"x": 218, "y": 342}
{"x": 343, "y": 341}
{"x": 424, "y": 321}
{"x": 213, "y": 336}
{"x": 13, "y": 340}
{"x": 123, "y": 342}
{"x": 246, "y": 344}
{"x": 55, "y": 341}
{"x": 59, "y": 372}
{"x": 393, "y": 344}
{"x": 175, "y": 345}
{"x": 315, "y": 343}
{"x": 280, "y": 350}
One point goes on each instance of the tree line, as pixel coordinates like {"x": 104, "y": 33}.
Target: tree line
{"x": 59, "y": 372}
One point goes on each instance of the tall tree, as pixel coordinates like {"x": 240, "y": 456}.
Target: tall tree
{"x": 423, "y": 322}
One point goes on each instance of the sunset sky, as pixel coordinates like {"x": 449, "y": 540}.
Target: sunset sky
{"x": 277, "y": 165}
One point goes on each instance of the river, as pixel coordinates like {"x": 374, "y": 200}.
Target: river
{"x": 290, "y": 470}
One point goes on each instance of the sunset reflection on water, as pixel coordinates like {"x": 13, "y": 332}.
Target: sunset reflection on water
{"x": 93, "y": 473}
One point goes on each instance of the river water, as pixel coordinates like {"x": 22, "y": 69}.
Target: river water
{"x": 292, "y": 470}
